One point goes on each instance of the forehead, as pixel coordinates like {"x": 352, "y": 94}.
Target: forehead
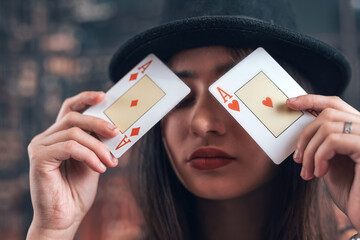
{"x": 201, "y": 58}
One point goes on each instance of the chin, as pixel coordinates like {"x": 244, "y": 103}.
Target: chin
{"x": 213, "y": 192}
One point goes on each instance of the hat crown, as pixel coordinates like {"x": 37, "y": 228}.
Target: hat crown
{"x": 278, "y": 12}
{"x": 239, "y": 24}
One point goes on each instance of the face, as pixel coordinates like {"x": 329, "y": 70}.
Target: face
{"x": 210, "y": 152}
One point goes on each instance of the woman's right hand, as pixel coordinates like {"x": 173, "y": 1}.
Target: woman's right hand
{"x": 65, "y": 164}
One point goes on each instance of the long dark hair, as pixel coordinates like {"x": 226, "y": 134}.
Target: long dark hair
{"x": 302, "y": 208}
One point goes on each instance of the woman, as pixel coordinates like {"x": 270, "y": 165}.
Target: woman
{"x": 186, "y": 193}
{"x": 250, "y": 196}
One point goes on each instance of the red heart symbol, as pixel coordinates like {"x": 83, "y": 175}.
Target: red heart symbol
{"x": 234, "y": 105}
{"x": 267, "y": 102}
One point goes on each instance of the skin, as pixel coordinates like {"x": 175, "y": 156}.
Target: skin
{"x": 65, "y": 161}
{"x": 326, "y": 152}
{"x": 202, "y": 122}
{"x": 235, "y": 193}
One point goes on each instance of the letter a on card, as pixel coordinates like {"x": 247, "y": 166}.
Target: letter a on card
{"x": 225, "y": 96}
{"x": 145, "y": 66}
{"x": 123, "y": 142}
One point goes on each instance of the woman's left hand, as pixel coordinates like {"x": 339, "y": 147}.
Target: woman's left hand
{"x": 325, "y": 150}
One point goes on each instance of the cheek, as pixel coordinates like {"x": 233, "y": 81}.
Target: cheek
{"x": 174, "y": 131}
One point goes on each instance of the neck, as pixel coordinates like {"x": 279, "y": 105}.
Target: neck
{"x": 244, "y": 217}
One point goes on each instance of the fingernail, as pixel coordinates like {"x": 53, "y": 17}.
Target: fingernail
{"x": 113, "y": 159}
{"x": 303, "y": 174}
{"x": 110, "y": 156}
{"x": 102, "y": 166}
{"x": 292, "y": 99}
{"x": 296, "y": 155}
{"x": 316, "y": 172}
{"x": 98, "y": 94}
{"x": 112, "y": 127}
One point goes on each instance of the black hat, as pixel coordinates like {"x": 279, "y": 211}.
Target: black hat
{"x": 236, "y": 23}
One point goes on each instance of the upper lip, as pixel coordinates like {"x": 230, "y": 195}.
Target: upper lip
{"x": 209, "y": 152}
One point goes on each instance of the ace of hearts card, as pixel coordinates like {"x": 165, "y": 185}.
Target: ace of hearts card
{"x": 138, "y": 101}
{"x": 254, "y": 92}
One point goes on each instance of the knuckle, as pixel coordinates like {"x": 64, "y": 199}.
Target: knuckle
{"x": 33, "y": 144}
{"x": 309, "y": 100}
{"x": 327, "y": 113}
{"x": 69, "y": 117}
{"x": 335, "y": 98}
{"x": 333, "y": 138}
{"x": 326, "y": 127}
{"x": 74, "y": 132}
{"x": 34, "y": 139}
{"x": 33, "y": 152}
{"x": 70, "y": 145}
{"x": 67, "y": 102}
{"x": 30, "y": 147}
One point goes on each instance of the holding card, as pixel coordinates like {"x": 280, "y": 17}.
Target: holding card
{"x": 138, "y": 101}
{"x": 254, "y": 92}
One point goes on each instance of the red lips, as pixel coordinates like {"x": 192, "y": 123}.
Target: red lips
{"x": 208, "y": 158}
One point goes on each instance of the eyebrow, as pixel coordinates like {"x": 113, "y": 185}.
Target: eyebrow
{"x": 185, "y": 74}
{"x": 220, "y": 70}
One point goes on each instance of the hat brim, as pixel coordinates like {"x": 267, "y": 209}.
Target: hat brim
{"x": 327, "y": 69}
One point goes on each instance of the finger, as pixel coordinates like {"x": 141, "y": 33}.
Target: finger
{"x": 307, "y": 171}
{"x": 319, "y": 103}
{"x": 328, "y": 115}
{"x": 85, "y": 140}
{"x": 310, "y": 164}
{"x": 71, "y": 149}
{"x": 80, "y": 102}
{"x": 336, "y": 143}
{"x": 85, "y": 122}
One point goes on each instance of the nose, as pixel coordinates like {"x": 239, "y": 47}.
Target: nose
{"x": 208, "y": 117}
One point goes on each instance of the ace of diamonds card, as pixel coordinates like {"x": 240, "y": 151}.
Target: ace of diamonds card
{"x": 138, "y": 101}
{"x": 254, "y": 92}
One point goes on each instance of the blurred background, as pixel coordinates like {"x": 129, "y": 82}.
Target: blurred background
{"x": 51, "y": 50}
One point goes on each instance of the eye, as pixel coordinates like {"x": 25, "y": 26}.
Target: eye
{"x": 186, "y": 102}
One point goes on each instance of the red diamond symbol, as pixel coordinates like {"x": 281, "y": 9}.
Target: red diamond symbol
{"x": 135, "y": 131}
{"x": 134, "y": 103}
{"x": 133, "y": 76}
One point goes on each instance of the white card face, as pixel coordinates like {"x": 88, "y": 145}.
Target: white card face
{"x": 138, "y": 101}
{"x": 254, "y": 92}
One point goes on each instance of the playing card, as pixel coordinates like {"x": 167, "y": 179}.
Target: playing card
{"x": 138, "y": 101}
{"x": 254, "y": 92}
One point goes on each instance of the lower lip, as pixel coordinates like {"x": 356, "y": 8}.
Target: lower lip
{"x": 209, "y": 163}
